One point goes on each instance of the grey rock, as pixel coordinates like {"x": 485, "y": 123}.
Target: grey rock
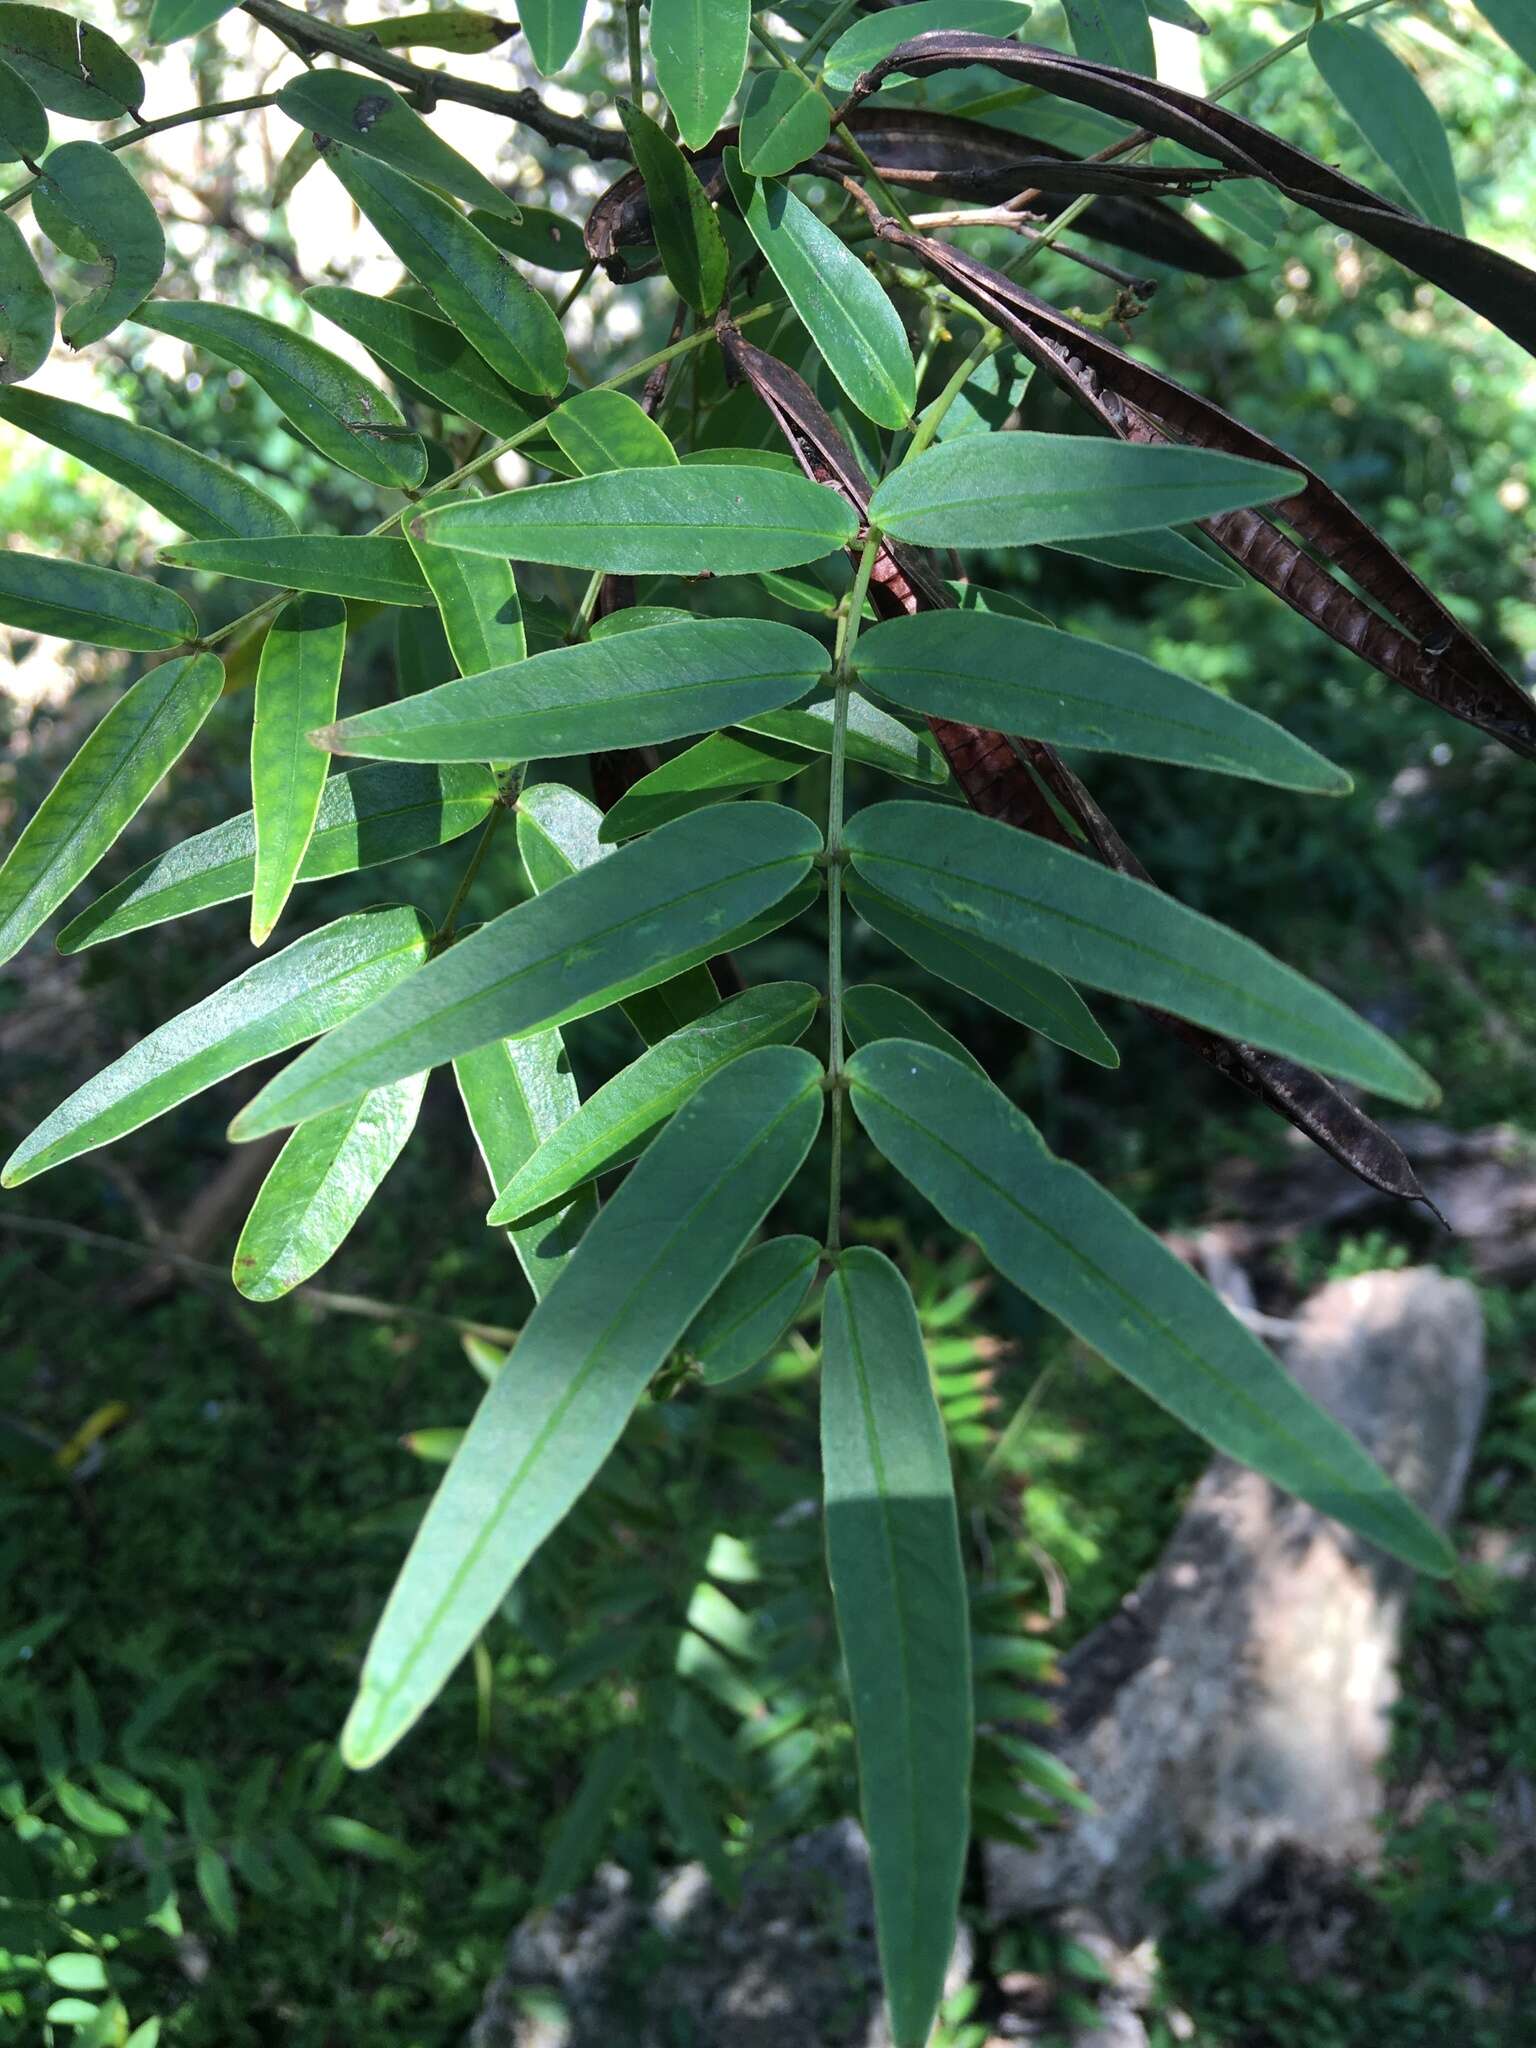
{"x": 792, "y": 1965}
{"x": 1239, "y": 1699}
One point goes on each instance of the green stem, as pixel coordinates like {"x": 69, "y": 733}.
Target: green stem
{"x": 443, "y": 937}
{"x": 210, "y": 112}
{"x": 849, "y": 615}
{"x": 1219, "y": 92}
{"x": 829, "y": 28}
{"x": 991, "y": 340}
{"x": 850, "y": 142}
{"x": 636, "y": 61}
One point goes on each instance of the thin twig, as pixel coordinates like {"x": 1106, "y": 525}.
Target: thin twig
{"x": 320, "y": 1297}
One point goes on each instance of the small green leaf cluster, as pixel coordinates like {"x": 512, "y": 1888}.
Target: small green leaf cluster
{"x": 838, "y": 485}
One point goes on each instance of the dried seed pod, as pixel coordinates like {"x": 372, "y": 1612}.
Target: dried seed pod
{"x": 1502, "y": 290}
{"x": 1418, "y": 644}
{"x": 947, "y": 158}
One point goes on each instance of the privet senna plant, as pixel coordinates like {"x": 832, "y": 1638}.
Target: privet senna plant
{"x": 816, "y": 439}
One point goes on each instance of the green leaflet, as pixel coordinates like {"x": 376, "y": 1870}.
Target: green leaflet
{"x": 1513, "y": 21}
{"x": 578, "y": 1840}
{"x": 351, "y": 421}
{"x": 611, "y": 1127}
{"x": 845, "y": 311}
{"x": 72, "y": 67}
{"x": 694, "y": 1827}
{"x": 975, "y": 876}
{"x": 630, "y": 689}
{"x": 646, "y": 1266}
{"x": 631, "y": 617}
{"x": 632, "y": 919}
{"x": 366, "y": 818}
{"x": 1162, "y": 552}
{"x": 26, "y": 307}
{"x": 464, "y": 30}
{"x": 687, "y": 230}
{"x": 699, "y": 49}
{"x": 479, "y": 290}
{"x": 23, "y": 119}
{"x": 1014, "y": 490}
{"x": 1113, "y": 32}
{"x": 370, "y": 117}
{"x": 601, "y": 430}
{"x": 874, "y": 36}
{"x": 1180, "y": 15}
{"x": 100, "y": 196}
{"x": 428, "y": 352}
{"x": 679, "y": 521}
{"x": 1032, "y": 995}
{"x": 984, "y": 669}
{"x": 516, "y": 1093}
{"x": 102, "y": 607}
{"x": 198, "y": 494}
{"x": 1393, "y": 113}
{"x": 874, "y": 737}
{"x": 552, "y": 29}
{"x": 783, "y": 121}
{"x": 750, "y": 1312}
{"x": 171, "y": 20}
{"x": 379, "y": 567}
{"x": 477, "y": 600}
{"x": 871, "y": 1012}
{"x": 558, "y": 832}
{"x": 540, "y": 236}
{"x": 305, "y": 989}
{"x": 1056, "y": 1234}
{"x": 323, "y": 1179}
{"x": 296, "y": 685}
{"x": 147, "y": 729}
{"x": 723, "y": 765}
{"x": 893, "y": 1556}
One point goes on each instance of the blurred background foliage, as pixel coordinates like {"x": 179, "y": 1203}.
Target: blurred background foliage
{"x": 209, "y": 1500}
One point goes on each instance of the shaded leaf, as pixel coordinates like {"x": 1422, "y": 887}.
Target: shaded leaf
{"x": 1112, "y": 32}
{"x": 370, "y": 117}
{"x": 71, "y": 66}
{"x": 602, "y": 430}
{"x": 1058, "y": 1236}
{"x": 578, "y": 1840}
{"x": 100, "y": 196}
{"x": 783, "y": 121}
{"x": 1156, "y": 553}
{"x": 751, "y": 1311}
{"x": 538, "y": 236}
{"x": 366, "y": 817}
{"x": 632, "y": 919}
{"x": 477, "y": 601}
{"x": 680, "y": 217}
{"x": 429, "y": 352}
{"x": 516, "y": 1093}
{"x": 303, "y": 990}
{"x": 26, "y": 307}
{"x": 659, "y": 683}
{"x": 193, "y": 491}
{"x": 871, "y": 1012}
{"x": 987, "y": 669}
{"x": 1012, "y": 490}
{"x": 973, "y": 876}
{"x": 645, "y": 1267}
{"x": 1512, "y": 19}
{"x": 898, "y": 1586}
{"x": 170, "y": 20}
{"x": 296, "y": 686}
{"x": 1032, "y": 995}
{"x": 379, "y": 567}
{"x": 843, "y": 308}
{"x": 147, "y": 729}
{"x": 23, "y": 119}
{"x": 350, "y": 420}
{"x": 553, "y": 29}
{"x": 1393, "y": 112}
{"x": 873, "y": 737}
{"x": 479, "y": 290}
{"x": 679, "y": 522}
{"x": 79, "y": 601}
{"x": 323, "y": 1179}
{"x": 613, "y": 1126}
{"x": 699, "y": 49}
{"x": 726, "y": 764}
{"x": 871, "y": 36}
